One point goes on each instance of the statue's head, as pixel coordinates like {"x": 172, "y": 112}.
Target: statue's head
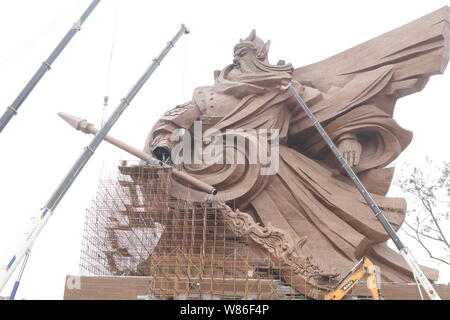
{"x": 251, "y": 48}
{"x": 251, "y": 55}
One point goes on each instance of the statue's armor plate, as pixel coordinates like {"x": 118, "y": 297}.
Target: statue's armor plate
{"x": 212, "y": 103}
{"x": 177, "y": 111}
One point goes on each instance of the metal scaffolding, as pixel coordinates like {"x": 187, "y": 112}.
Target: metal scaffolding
{"x": 186, "y": 249}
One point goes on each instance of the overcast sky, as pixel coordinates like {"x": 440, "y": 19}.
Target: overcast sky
{"x": 37, "y": 148}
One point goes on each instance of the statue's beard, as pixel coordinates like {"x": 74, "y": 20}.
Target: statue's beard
{"x": 248, "y": 65}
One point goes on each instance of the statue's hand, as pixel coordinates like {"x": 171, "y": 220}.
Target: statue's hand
{"x": 163, "y": 153}
{"x": 351, "y": 150}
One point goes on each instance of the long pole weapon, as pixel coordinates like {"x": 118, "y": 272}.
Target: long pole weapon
{"x": 44, "y": 67}
{"x": 24, "y": 243}
{"x": 87, "y": 127}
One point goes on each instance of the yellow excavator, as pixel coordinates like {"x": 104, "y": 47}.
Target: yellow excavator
{"x": 364, "y": 269}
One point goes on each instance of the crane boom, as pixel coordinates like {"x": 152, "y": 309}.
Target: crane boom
{"x": 44, "y": 67}
{"x": 26, "y": 240}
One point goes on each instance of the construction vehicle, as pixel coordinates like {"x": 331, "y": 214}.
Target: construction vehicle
{"x": 364, "y": 269}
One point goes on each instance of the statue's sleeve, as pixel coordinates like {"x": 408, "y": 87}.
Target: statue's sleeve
{"x": 413, "y": 53}
{"x": 181, "y": 117}
{"x": 381, "y": 138}
{"x": 353, "y": 111}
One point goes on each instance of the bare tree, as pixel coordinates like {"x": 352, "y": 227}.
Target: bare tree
{"x": 427, "y": 220}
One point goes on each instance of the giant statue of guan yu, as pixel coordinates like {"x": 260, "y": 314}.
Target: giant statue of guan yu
{"x": 304, "y": 210}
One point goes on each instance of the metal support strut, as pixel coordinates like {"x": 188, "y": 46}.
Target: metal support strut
{"x": 17, "y": 283}
{"x": 407, "y": 255}
{"x": 24, "y": 243}
{"x": 45, "y": 66}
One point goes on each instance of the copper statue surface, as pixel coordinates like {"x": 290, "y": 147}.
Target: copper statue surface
{"x": 353, "y": 95}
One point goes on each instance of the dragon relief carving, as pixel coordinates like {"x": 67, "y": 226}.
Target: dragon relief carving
{"x": 279, "y": 243}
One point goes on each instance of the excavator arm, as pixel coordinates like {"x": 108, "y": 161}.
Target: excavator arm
{"x": 364, "y": 269}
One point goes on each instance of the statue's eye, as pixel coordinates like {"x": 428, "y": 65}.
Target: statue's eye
{"x": 242, "y": 52}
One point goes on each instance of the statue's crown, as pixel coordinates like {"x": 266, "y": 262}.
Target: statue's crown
{"x": 255, "y": 43}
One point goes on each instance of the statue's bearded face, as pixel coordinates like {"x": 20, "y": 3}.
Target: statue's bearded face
{"x": 243, "y": 52}
{"x": 244, "y": 58}
{"x": 251, "y": 55}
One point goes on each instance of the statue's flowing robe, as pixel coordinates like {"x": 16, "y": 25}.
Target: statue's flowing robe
{"x": 310, "y": 195}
